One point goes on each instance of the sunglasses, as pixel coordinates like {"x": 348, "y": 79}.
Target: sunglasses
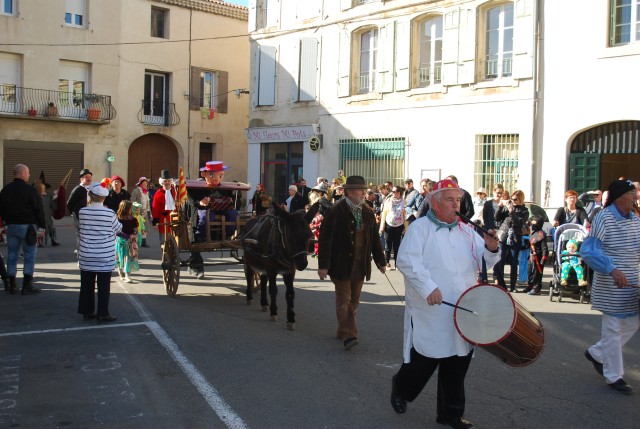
{"x": 514, "y": 199}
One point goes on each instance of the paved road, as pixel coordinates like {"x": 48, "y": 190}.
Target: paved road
{"x": 205, "y": 359}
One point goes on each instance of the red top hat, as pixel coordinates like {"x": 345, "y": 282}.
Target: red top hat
{"x": 215, "y": 166}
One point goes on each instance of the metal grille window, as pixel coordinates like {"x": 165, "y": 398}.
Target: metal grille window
{"x": 377, "y": 159}
{"x": 625, "y": 22}
{"x": 496, "y": 161}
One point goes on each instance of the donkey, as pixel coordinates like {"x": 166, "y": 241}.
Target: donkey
{"x": 276, "y": 243}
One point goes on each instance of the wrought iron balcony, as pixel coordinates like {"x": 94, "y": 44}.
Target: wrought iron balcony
{"x": 55, "y": 105}
{"x": 158, "y": 112}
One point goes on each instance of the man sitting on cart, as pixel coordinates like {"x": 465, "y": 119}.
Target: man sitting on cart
{"x": 219, "y": 202}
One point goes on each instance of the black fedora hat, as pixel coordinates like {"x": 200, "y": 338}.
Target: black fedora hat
{"x": 85, "y": 171}
{"x": 355, "y": 182}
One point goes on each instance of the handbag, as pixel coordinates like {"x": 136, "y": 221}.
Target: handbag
{"x": 501, "y": 235}
{"x": 32, "y": 236}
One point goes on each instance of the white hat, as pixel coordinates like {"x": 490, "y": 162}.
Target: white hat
{"x": 482, "y": 190}
{"x": 97, "y": 189}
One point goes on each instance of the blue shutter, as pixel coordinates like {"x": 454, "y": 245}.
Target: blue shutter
{"x": 267, "y": 76}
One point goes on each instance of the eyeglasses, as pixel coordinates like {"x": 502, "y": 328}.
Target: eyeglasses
{"x": 514, "y": 199}
{"x": 395, "y": 190}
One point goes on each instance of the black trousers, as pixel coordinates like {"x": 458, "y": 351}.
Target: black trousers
{"x": 535, "y": 276}
{"x": 413, "y": 376}
{"x": 394, "y": 237}
{"x": 87, "y": 302}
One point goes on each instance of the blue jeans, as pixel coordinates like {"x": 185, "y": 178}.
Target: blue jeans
{"x": 511, "y": 253}
{"x": 16, "y": 234}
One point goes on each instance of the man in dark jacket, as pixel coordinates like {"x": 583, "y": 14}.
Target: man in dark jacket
{"x": 304, "y": 190}
{"x": 22, "y": 212}
{"x": 348, "y": 239}
{"x": 78, "y": 199}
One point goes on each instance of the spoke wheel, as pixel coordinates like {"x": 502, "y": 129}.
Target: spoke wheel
{"x": 170, "y": 266}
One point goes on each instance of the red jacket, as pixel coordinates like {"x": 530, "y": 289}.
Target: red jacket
{"x": 158, "y": 213}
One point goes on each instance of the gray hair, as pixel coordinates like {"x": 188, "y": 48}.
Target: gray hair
{"x": 293, "y": 188}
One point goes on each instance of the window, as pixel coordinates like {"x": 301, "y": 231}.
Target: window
{"x": 10, "y": 71}
{"x": 368, "y": 56}
{"x": 496, "y": 161}
{"x": 159, "y": 22}
{"x": 72, "y": 87}
{"x": 155, "y": 96}
{"x": 377, "y": 159}
{"x": 208, "y": 152}
{"x": 209, "y": 90}
{"x": 75, "y": 12}
{"x": 498, "y": 41}
{"x": 429, "y": 67}
{"x": 625, "y": 22}
{"x": 7, "y": 7}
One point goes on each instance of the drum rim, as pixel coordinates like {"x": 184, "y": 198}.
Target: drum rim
{"x": 509, "y": 331}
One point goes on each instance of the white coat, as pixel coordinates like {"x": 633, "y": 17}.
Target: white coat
{"x": 447, "y": 259}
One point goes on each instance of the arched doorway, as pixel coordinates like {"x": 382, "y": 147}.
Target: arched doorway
{"x": 604, "y": 153}
{"x": 148, "y": 155}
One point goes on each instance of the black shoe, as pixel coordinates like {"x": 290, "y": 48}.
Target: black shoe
{"x": 350, "y": 343}
{"x": 457, "y": 423}
{"x": 597, "y": 365}
{"x": 54, "y": 243}
{"x": 30, "y": 290}
{"x": 6, "y": 284}
{"x": 397, "y": 402}
{"x": 621, "y": 386}
{"x": 106, "y": 319}
{"x": 89, "y": 316}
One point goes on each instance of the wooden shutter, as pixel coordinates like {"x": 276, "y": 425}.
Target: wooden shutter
{"x": 385, "y": 71}
{"x": 450, "y": 42}
{"x": 195, "y": 92}
{"x": 467, "y": 51}
{"x": 344, "y": 64}
{"x": 523, "y": 33}
{"x": 403, "y": 55}
{"x": 253, "y": 10}
{"x": 267, "y": 76}
{"x": 584, "y": 171}
{"x": 308, "y": 75}
{"x": 222, "y": 89}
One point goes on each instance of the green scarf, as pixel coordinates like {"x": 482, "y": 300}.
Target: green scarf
{"x": 439, "y": 223}
{"x": 356, "y": 209}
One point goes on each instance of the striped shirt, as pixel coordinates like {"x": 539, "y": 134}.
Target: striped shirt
{"x": 613, "y": 243}
{"x": 98, "y": 228}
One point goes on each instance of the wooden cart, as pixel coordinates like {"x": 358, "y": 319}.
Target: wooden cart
{"x": 179, "y": 239}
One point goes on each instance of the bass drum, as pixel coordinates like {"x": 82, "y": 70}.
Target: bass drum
{"x": 502, "y": 326}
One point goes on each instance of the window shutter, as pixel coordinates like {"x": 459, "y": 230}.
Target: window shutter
{"x": 308, "y": 68}
{"x": 195, "y": 92}
{"x": 273, "y": 13}
{"x": 467, "y": 50}
{"x": 255, "y": 73}
{"x": 523, "y": 33}
{"x": 267, "y": 76}
{"x": 222, "y": 89}
{"x": 403, "y": 55}
{"x": 385, "y": 71}
{"x": 295, "y": 70}
{"x": 346, "y": 4}
{"x": 450, "y": 48}
{"x": 253, "y": 10}
{"x": 344, "y": 64}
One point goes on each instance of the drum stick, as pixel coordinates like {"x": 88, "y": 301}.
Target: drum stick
{"x": 475, "y": 225}
{"x": 457, "y": 306}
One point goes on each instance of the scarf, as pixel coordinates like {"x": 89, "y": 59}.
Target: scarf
{"x": 356, "y": 210}
{"x": 169, "y": 203}
{"x": 431, "y": 215}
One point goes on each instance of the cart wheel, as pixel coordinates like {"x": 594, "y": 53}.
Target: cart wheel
{"x": 170, "y": 266}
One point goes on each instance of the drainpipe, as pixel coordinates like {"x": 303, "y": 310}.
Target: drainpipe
{"x": 536, "y": 146}
{"x": 188, "y": 174}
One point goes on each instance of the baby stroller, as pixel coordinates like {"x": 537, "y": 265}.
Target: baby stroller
{"x": 562, "y": 236}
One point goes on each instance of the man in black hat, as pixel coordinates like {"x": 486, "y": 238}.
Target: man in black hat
{"x": 348, "y": 239}
{"x": 612, "y": 250}
{"x": 78, "y": 199}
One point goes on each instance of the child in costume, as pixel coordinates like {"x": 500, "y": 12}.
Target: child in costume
{"x": 537, "y": 257}
{"x": 127, "y": 241}
{"x": 572, "y": 261}
{"x": 142, "y": 225}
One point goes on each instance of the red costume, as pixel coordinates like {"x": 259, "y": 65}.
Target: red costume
{"x": 158, "y": 211}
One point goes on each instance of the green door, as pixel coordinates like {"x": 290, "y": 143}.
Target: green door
{"x": 584, "y": 172}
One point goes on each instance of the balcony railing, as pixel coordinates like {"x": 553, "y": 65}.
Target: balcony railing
{"x": 425, "y": 78}
{"x": 158, "y": 113}
{"x": 495, "y": 69}
{"x": 29, "y": 102}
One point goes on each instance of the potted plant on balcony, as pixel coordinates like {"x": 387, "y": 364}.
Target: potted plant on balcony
{"x": 52, "y": 110}
{"x": 32, "y": 111}
{"x": 93, "y": 110}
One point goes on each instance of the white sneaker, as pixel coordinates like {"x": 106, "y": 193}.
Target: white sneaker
{"x": 127, "y": 279}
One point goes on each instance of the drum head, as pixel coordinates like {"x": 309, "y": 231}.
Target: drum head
{"x": 495, "y": 319}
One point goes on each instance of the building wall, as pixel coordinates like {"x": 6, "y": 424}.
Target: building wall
{"x": 118, "y": 46}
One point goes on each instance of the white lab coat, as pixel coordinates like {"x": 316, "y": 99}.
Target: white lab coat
{"x": 445, "y": 259}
